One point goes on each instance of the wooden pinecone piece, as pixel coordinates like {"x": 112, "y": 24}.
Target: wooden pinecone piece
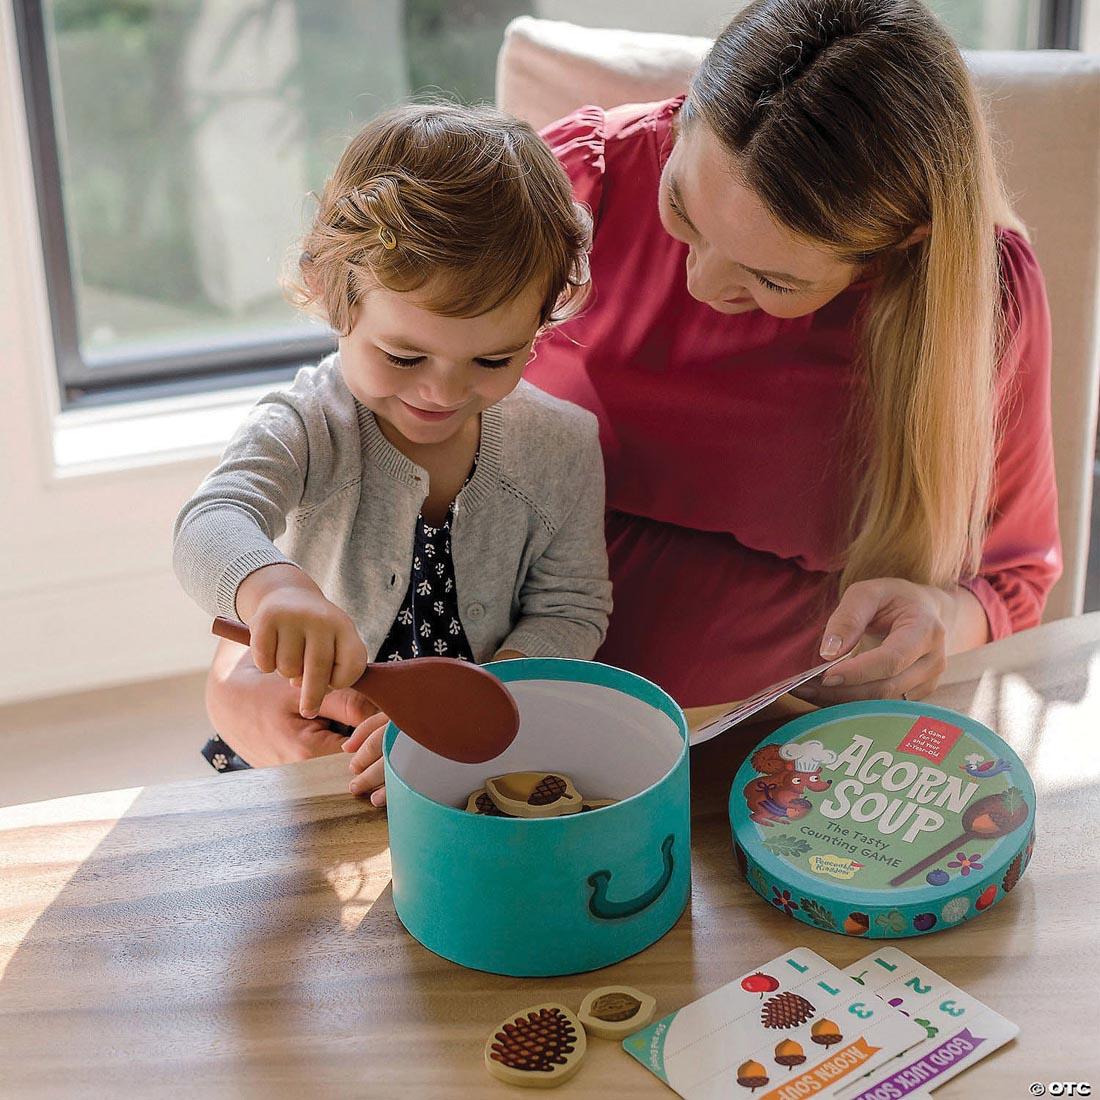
{"x": 1012, "y": 875}
{"x": 536, "y": 1042}
{"x": 786, "y": 1010}
{"x": 549, "y": 789}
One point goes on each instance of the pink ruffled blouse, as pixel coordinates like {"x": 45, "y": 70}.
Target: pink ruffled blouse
{"x": 723, "y": 439}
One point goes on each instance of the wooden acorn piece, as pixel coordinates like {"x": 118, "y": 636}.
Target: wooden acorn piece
{"x": 481, "y": 804}
{"x": 615, "y": 1011}
{"x": 534, "y": 794}
{"x": 537, "y": 1047}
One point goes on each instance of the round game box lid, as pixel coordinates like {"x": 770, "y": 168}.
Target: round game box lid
{"x": 883, "y": 819}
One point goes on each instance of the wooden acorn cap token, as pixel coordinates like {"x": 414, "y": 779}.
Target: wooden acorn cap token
{"x": 538, "y": 1047}
{"x": 481, "y": 804}
{"x": 615, "y": 1011}
{"x": 534, "y": 794}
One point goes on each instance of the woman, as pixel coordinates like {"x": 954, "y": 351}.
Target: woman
{"x": 819, "y": 351}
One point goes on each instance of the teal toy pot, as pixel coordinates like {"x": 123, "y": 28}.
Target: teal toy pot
{"x": 549, "y": 896}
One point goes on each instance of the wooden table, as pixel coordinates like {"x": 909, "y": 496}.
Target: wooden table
{"x": 236, "y": 935}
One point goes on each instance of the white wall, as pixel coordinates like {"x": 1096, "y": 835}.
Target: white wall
{"x": 87, "y": 597}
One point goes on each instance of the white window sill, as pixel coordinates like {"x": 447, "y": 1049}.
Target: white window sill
{"x": 140, "y": 434}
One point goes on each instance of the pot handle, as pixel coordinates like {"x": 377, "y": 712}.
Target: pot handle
{"x": 603, "y": 908}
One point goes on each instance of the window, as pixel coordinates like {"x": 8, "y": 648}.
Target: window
{"x": 176, "y": 141}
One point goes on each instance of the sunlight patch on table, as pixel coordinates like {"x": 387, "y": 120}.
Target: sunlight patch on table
{"x": 62, "y": 852}
{"x": 357, "y": 884}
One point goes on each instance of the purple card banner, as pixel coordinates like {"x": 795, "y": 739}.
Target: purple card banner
{"x": 921, "y": 1073}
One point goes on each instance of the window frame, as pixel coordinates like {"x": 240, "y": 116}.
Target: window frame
{"x": 117, "y": 378}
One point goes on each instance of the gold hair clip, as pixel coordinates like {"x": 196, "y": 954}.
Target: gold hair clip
{"x": 387, "y": 237}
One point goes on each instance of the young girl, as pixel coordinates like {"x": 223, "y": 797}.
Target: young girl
{"x": 428, "y": 502}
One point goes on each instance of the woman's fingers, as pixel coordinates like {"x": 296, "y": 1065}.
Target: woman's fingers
{"x": 857, "y": 609}
{"x": 347, "y": 706}
{"x": 905, "y": 645}
{"x": 374, "y": 723}
{"x": 368, "y": 780}
{"x": 915, "y": 680}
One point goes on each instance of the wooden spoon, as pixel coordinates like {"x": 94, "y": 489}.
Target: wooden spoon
{"x": 455, "y": 708}
{"x": 994, "y": 816}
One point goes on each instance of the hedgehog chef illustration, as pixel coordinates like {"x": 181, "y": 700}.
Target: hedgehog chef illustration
{"x": 789, "y": 773}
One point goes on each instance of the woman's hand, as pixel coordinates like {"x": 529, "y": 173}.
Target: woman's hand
{"x": 907, "y": 631}
{"x": 365, "y": 744}
{"x": 300, "y": 634}
{"x": 258, "y": 714}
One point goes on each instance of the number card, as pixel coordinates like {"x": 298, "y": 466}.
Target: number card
{"x": 958, "y": 1029}
{"x": 797, "y": 1027}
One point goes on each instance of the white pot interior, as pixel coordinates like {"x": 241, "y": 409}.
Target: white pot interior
{"x": 610, "y": 744}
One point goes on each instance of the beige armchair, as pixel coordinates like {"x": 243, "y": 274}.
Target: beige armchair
{"x": 1045, "y": 111}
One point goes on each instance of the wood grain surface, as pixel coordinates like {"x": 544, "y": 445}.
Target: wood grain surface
{"x": 235, "y": 936}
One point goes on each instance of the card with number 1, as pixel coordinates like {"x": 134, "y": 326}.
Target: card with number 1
{"x": 794, "y": 1028}
{"x": 958, "y": 1029}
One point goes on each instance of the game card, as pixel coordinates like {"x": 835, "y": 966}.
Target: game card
{"x": 730, "y": 718}
{"x": 958, "y": 1029}
{"x": 795, "y": 1028}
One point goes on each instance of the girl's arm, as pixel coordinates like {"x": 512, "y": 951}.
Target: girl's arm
{"x": 227, "y": 529}
{"x": 226, "y": 559}
{"x": 566, "y": 596}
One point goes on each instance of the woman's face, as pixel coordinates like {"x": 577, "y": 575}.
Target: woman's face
{"x": 739, "y": 257}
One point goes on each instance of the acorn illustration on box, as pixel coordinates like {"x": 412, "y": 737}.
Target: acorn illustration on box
{"x": 825, "y": 1033}
{"x": 534, "y": 794}
{"x": 540, "y": 1047}
{"x": 786, "y": 1010}
{"x": 789, "y": 1053}
{"x": 752, "y": 1075}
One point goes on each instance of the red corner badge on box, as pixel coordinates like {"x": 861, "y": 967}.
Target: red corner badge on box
{"x": 930, "y": 738}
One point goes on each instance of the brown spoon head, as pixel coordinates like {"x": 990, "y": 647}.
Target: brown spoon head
{"x": 457, "y": 709}
{"x": 997, "y": 814}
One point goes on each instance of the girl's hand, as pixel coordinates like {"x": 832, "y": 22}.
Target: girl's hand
{"x": 300, "y": 634}
{"x": 258, "y": 715}
{"x": 906, "y": 629}
{"x": 365, "y": 745}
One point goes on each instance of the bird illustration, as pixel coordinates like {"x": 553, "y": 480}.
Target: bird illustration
{"x": 978, "y": 767}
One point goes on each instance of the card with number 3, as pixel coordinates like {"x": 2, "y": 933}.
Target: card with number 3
{"x": 958, "y": 1029}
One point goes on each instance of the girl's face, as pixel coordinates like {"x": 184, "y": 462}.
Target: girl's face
{"x": 427, "y": 376}
{"x": 739, "y": 257}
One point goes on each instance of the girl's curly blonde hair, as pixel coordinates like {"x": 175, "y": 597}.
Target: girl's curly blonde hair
{"x": 465, "y": 202}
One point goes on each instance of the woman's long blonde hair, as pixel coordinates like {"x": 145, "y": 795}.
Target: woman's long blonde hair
{"x": 857, "y": 124}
